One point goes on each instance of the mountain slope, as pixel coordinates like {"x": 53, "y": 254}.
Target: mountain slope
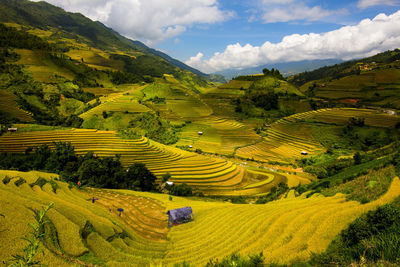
{"x": 288, "y": 68}
{"x": 43, "y": 15}
{"x": 372, "y": 81}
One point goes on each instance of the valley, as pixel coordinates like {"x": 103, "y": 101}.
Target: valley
{"x": 278, "y": 171}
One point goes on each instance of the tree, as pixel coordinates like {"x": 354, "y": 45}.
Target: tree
{"x": 181, "y": 190}
{"x": 165, "y": 177}
{"x": 60, "y": 156}
{"x": 91, "y": 173}
{"x": 139, "y": 177}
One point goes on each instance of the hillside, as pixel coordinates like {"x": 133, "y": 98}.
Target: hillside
{"x": 302, "y": 169}
{"x": 287, "y": 69}
{"x": 372, "y": 81}
{"x": 81, "y": 231}
{"x": 44, "y": 16}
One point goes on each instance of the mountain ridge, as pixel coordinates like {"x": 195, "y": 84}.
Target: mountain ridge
{"x": 43, "y": 14}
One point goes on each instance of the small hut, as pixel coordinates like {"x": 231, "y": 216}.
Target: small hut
{"x": 12, "y": 130}
{"x": 304, "y": 152}
{"x": 200, "y": 133}
{"x": 179, "y": 216}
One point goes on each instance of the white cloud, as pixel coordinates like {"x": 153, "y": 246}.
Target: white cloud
{"x": 294, "y": 10}
{"x": 365, "y": 39}
{"x": 368, "y": 3}
{"x": 148, "y": 20}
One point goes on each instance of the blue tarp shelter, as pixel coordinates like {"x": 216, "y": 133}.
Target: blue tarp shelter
{"x": 178, "y": 216}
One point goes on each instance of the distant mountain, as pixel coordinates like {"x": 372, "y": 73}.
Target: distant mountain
{"x": 287, "y": 68}
{"x": 43, "y": 14}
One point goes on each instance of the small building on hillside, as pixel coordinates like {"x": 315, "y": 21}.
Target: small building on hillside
{"x": 12, "y": 130}
{"x": 170, "y": 183}
{"x": 200, "y": 133}
{"x": 304, "y": 152}
{"x": 179, "y": 216}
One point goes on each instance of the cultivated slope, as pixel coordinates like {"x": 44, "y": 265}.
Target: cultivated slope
{"x": 285, "y": 230}
{"x": 210, "y": 175}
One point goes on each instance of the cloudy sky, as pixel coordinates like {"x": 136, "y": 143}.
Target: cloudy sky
{"x": 214, "y": 35}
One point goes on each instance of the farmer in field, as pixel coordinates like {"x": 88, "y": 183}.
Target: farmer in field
{"x": 94, "y": 199}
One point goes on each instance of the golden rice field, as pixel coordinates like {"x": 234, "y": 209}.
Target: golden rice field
{"x": 210, "y": 175}
{"x": 138, "y": 236}
{"x": 286, "y": 230}
{"x": 116, "y": 103}
{"x": 236, "y": 84}
{"x": 220, "y": 135}
{"x": 359, "y": 86}
{"x": 286, "y": 138}
{"x": 9, "y": 105}
{"x": 41, "y": 67}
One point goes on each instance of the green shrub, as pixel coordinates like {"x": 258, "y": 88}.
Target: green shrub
{"x": 182, "y": 190}
{"x": 318, "y": 171}
{"x": 256, "y": 260}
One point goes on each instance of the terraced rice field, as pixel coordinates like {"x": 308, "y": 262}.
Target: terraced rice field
{"x": 118, "y": 102}
{"x": 342, "y": 115}
{"x": 209, "y": 175}
{"x": 8, "y": 105}
{"x": 236, "y": 84}
{"x": 138, "y": 236}
{"x": 361, "y": 86}
{"x": 96, "y": 59}
{"x": 284, "y": 142}
{"x": 190, "y": 108}
{"x": 41, "y": 67}
{"x": 285, "y": 230}
{"x": 287, "y": 137}
{"x": 220, "y": 135}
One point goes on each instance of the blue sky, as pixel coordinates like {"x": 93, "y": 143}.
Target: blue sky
{"x": 213, "y": 35}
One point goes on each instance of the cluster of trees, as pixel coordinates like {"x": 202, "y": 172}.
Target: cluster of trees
{"x": 106, "y": 172}
{"x": 273, "y": 72}
{"x": 154, "y": 127}
{"x": 11, "y": 37}
{"x": 183, "y": 190}
{"x": 267, "y": 100}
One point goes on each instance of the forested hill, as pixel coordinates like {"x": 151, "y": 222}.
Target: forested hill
{"x": 43, "y": 15}
{"x": 344, "y": 69}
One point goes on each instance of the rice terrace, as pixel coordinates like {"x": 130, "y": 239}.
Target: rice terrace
{"x": 113, "y": 153}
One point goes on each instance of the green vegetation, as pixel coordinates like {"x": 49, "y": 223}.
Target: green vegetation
{"x": 182, "y": 190}
{"x": 291, "y": 149}
{"x": 89, "y": 169}
{"x": 256, "y": 260}
{"x": 274, "y": 194}
{"x": 344, "y": 69}
{"x": 152, "y": 126}
{"x": 33, "y": 238}
{"x": 373, "y": 236}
